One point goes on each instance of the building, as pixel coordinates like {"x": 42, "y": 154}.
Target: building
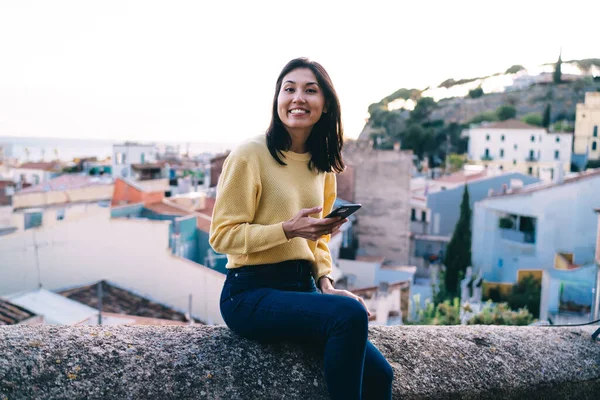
{"x": 587, "y": 125}
{"x": 548, "y": 228}
{"x": 435, "y": 208}
{"x": 34, "y": 173}
{"x": 130, "y": 154}
{"x": 13, "y": 314}
{"x": 515, "y": 146}
{"x": 114, "y": 245}
{"x": 380, "y": 181}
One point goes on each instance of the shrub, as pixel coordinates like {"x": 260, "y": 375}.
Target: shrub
{"x": 501, "y": 314}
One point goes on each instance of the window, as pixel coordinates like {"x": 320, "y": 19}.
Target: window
{"x": 487, "y": 152}
{"x": 413, "y": 214}
{"x": 531, "y": 154}
{"x": 557, "y": 139}
{"x": 516, "y": 146}
{"x": 424, "y": 216}
{"x": 539, "y": 154}
{"x": 532, "y": 138}
{"x": 487, "y": 137}
{"x": 502, "y": 168}
{"x": 60, "y": 214}
{"x": 142, "y": 158}
{"x": 556, "y": 154}
{"x": 594, "y": 145}
{"x": 501, "y": 153}
{"x": 540, "y": 139}
{"x": 514, "y": 162}
{"x": 502, "y": 138}
{"x": 595, "y": 134}
{"x": 530, "y": 170}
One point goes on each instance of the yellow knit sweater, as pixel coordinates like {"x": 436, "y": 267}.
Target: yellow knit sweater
{"x": 256, "y": 195}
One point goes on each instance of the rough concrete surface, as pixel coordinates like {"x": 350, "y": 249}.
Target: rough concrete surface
{"x": 191, "y": 362}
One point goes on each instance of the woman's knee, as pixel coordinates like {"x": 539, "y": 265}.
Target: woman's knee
{"x": 351, "y": 313}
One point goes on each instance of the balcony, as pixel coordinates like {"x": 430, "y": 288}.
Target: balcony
{"x": 486, "y": 157}
{"x": 532, "y": 159}
{"x": 518, "y": 228}
{"x": 518, "y": 236}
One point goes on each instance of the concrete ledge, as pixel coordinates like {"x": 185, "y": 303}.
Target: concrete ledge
{"x": 120, "y": 362}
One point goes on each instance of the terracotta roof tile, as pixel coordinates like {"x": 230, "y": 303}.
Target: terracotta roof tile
{"x": 121, "y": 301}
{"x": 12, "y": 314}
{"x": 162, "y": 208}
{"x": 46, "y": 166}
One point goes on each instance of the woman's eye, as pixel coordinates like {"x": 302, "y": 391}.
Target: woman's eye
{"x": 311, "y": 91}
{"x": 289, "y": 90}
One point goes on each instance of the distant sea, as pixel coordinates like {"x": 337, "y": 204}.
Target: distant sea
{"x": 46, "y": 149}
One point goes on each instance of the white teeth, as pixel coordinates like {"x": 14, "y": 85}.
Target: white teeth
{"x": 298, "y": 111}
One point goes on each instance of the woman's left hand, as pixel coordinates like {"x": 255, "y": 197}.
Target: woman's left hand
{"x": 340, "y": 292}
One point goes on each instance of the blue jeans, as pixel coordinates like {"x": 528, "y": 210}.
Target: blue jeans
{"x": 276, "y": 302}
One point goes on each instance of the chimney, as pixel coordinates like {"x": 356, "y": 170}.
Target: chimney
{"x": 559, "y": 175}
{"x": 516, "y": 183}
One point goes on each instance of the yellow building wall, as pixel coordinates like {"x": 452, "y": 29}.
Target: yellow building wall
{"x": 586, "y": 117}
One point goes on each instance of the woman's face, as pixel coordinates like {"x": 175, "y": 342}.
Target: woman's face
{"x": 300, "y": 101}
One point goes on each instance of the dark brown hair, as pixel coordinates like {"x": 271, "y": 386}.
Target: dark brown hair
{"x": 327, "y": 136}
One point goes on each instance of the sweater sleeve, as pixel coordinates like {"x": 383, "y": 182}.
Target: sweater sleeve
{"x": 238, "y": 192}
{"x": 323, "y": 262}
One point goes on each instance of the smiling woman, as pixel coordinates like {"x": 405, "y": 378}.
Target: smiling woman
{"x": 269, "y": 220}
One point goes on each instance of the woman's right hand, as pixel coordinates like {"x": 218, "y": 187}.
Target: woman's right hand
{"x": 304, "y": 226}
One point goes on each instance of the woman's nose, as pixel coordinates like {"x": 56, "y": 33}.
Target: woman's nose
{"x": 298, "y": 97}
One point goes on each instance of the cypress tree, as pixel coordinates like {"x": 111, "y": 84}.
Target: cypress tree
{"x": 546, "y": 118}
{"x": 458, "y": 252}
{"x": 557, "y": 76}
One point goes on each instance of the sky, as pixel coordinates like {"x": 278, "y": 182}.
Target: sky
{"x": 205, "y": 71}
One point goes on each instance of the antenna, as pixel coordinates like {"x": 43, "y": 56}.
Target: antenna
{"x": 37, "y": 260}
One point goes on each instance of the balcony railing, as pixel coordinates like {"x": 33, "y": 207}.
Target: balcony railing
{"x": 531, "y": 159}
{"x": 486, "y": 157}
{"x": 518, "y": 236}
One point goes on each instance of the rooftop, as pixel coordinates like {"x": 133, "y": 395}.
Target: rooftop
{"x": 67, "y": 182}
{"x": 536, "y": 187}
{"x": 509, "y": 124}
{"x": 55, "y": 308}
{"x": 45, "y": 166}
{"x": 11, "y": 314}
{"x": 122, "y": 301}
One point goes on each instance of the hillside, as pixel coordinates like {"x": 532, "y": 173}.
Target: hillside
{"x": 423, "y": 120}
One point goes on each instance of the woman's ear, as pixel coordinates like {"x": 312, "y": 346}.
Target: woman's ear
{"x": 325, "y": 109}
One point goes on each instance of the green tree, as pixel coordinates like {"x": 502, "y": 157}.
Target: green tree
{"x": 514, "y": 69}
{"x": 476, "y": 93}
{"x": 547, "y": 114}
{"x": 458, "y": 252}
{"x": 533, "y": 119}
{"x": 526, "y": 294}
{"x": 557, "y": 75}
{"x": 486, "y": 116}
{"x": 506, "y": 112}
{"x": 457, "y": 161}
{"x": 423, "y": 109}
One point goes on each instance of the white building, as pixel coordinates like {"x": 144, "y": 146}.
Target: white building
{"x": 513, "y": 145}
{"x": 133, "y": 253}
{"x": 127, "y": 154}
{"x": 34, "y": 173}
{"x": 542, "y": 227}
{"x": 587, "y": 125}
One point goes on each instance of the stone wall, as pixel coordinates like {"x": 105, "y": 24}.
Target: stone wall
{"x": 209, "y": 362}
{"x": 382, "y": 186}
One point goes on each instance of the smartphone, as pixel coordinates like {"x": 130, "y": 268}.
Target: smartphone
{"x": 344, "y": 211}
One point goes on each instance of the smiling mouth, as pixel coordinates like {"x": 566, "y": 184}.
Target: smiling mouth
{"x": 298, "y": 111}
